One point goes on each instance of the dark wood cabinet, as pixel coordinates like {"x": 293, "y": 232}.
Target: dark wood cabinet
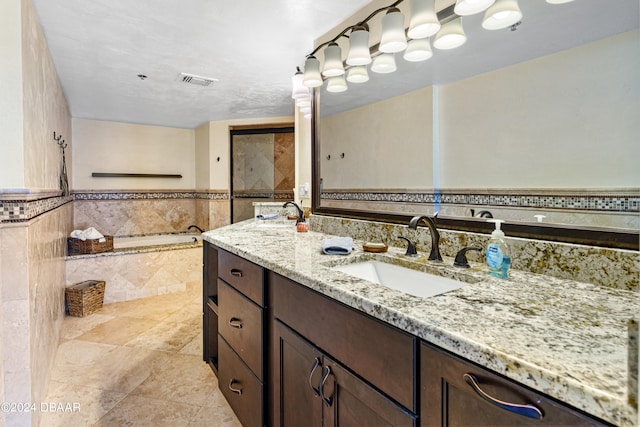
{"x": 286, "y": 355}
{"x": 240, "y": 332}
{"x": 210, "y": 305}
{"x": 312, "y": 389}
{"x": 455, "y": 392}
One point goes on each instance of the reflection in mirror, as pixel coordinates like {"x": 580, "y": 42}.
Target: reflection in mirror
{"x": 537, "y": 126}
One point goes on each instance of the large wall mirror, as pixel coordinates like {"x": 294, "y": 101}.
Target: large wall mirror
{"x": 539, "y": 126}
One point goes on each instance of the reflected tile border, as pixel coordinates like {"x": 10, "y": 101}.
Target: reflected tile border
{"x": 584, "y": 200}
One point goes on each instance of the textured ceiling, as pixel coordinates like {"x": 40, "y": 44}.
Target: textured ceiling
{"x": 251, "y": 46}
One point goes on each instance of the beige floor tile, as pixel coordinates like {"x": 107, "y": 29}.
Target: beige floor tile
{"x": 165, "y": 336}
{"x": 73, "y": 327}
{"x": 185, "y": 378}
{"x": 88, "y": 405}
{"x": 155, "y": 308}
{"x": 215, "y": 408}
{"x": 195, "y": 346}
{"x": 122, "y": 370}
{"x": 118, "y": 331}
{"x": 142, "y": 411}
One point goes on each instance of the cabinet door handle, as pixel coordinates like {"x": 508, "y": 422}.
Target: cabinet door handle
{"x": 327, "y": 400}
{"x": 316, "y": 363}
{"x": 236, "y": 390}
{"x": 234, "y": 322}
{"x": 235, "y": 272}
{"x": 524, "y": 410}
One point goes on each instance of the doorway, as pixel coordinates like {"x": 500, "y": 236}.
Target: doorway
{"x": 262, "y": 168}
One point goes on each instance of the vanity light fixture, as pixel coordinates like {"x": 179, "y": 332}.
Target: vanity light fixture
{"x": 418, "y": 50}
{"x": 359, "y": 53}
{"x": 450, "y": 36}
{"x": 299, "y": 90}
{"x": 336, "y": 84}
{"x": 384, "y": 63}
{"x": 358, "y": 74}
{"x": 424, "y": 21}
{"x": 393, "y": 36}
{"x": 312, "y": 77}
{"x": 471, "y": 7}
{"x": 502, "y": 14}
{"x": 333, "y": 61}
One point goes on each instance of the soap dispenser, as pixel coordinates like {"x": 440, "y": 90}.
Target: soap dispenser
{"x": 498, "y": 259}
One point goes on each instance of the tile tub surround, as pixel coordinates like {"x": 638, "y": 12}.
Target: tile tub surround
{"x": 139, "y": 272}
{"x": 564, "y": 338}
{"x": 615, "y": 268}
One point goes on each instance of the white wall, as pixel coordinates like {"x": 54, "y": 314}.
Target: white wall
{"x": 11, "y": 144}
{"x": 101, "y": 146}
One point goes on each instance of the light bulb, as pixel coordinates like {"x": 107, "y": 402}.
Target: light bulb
{"x": 424, "y": 21}
{"x": 471, "y": 7}
{"x": 503, "y": 14}
{"x": 384, "y": 63}
{"x": 359, "y": 53}
{"x": 333, "y": 61}
{"x": 312, "y": 77}
{"x": 450, "y": 36}
{"x": 393, "y": 37}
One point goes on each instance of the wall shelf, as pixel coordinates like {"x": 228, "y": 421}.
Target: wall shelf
{"x": 134, "y": 175}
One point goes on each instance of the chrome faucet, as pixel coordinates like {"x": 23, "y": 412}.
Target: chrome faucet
{"x": 300, "y": 211}
{"x": 196, "y": 227}
{"x": 435, "y": 235}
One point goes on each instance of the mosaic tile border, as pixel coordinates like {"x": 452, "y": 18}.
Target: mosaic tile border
{"x": 628, "y": 202}
{"x": 24, "y": 208}
{"x": 277, "y": 195}
{"x": 13, "y": 211}
{"x": 151, "y": 195}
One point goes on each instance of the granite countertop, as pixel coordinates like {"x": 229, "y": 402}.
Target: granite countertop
{"x": 563, "y": 338}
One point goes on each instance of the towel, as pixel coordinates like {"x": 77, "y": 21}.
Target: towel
{"x": 88, "y": 234}
{"x": 268, "y": 216}
{"x": 337, "y": 246}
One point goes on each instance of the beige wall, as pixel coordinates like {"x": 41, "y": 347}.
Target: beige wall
{"x": 32, "y": 272}
{"x": 12, "y": 158}
{"x": 203, "y": 164}
{"x": 567, "y": 120}
{"x": 131, "y": 148}
{"x": 377, "y": 155}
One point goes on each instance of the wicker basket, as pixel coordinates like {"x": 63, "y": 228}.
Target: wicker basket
{"x": 85, "y": 297}
{"x": 93, "y": 246}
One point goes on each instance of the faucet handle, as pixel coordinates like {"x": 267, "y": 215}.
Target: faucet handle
{"x": 461, "y": 256}
{"x": 411, "y": 248}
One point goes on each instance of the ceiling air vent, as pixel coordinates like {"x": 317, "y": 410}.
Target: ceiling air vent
{"x": 192, "y": 79}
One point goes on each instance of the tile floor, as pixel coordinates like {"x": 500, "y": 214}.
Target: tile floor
{"x": 137, "y": 363}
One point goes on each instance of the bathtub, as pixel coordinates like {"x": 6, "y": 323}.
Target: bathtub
{"x": 142, "y": 266}
{"x": 154, "y": 240}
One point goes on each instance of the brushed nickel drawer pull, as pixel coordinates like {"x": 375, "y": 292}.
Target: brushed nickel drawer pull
{"x": 236, "y": 390}
{"x": 529, "y": 411}
{"x": 234, "y": 322}
{"x": 316, "y": 363}
{"x": 235, "y": 272}
{"x": 327, "y": 400}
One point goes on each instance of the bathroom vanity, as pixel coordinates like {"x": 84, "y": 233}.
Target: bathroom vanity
{"x": 295, "y": 342}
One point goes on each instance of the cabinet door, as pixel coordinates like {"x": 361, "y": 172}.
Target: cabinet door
{"x": 350, "y": 402}
{"x": 448, "y": 399}
{"x": 297, "y": 373}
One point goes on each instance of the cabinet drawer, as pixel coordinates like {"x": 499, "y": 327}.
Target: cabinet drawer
{"x": 379, "y": 353}
{"x": 243, "y": 275}
{"x": 447, "y": 398}
{"x": 240, "y": 324}
{"x": 240, "y": 387}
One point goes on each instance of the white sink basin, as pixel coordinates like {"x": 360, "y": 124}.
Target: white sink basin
{"x": 400, "y": 278}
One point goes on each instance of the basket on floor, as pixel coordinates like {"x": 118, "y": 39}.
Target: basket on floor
{"x": 85, "y": 297}
{"x": 89, "y": 246}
